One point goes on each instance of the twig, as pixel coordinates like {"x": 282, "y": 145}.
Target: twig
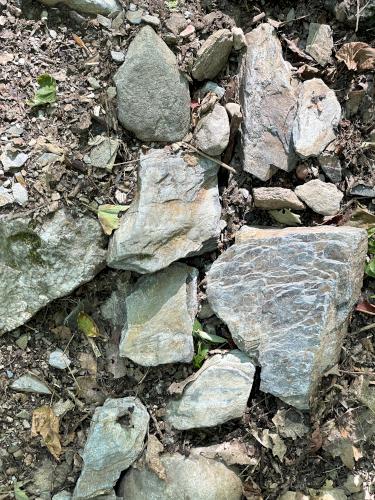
{"x": 258, "y": 17}
{"x": 222, "y": 164}
{"x": 125, "y": 162}
{"x": 364, "y": 329}
{"x": 357, "y": 21}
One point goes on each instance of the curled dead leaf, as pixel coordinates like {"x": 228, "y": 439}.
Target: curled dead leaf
{"x": 46, "y": 424}
{"x": 357, "y": 56}
{"x": 87, "y": 325}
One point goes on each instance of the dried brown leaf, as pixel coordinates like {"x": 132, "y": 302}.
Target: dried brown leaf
{"x": 357, "y": 56}
{"x": 88, "y": 362}
{"x": 154, "y": 448}
{"x": 366, "y": 307}
{"x": 46, "y": 424}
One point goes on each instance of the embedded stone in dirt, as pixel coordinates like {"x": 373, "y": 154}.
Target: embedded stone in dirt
{"x": 160, "y": 316}
{"x": 218, "y": 392}
{"x": 41, "y": 263}
{"x": 274, "y": 198}
{"x": 88, "y": 6}
{"x": 213, "y": 55}
{"x": 152, "y": 95}
{"x": 212, "y": 131}
{"x": 286, "y": 295}
{"x": 268, "y": 95}
{"x": 320, "y": 43}
{"x": 115, "y": 440}
{"x": 331, "y": 166}
{"x": 30, "y": 383}
{"x": 175, "y": 214}
{"x": 322, "y": 197}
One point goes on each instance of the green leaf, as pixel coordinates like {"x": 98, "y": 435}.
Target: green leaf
{"x": 215, "y": 339}
{"x": 361, "y": 217}
{"x": 286, "y": 217}
{"x": 172, "y": 4}
{"x": 18, "y": 493}
{"x": 87, "y": 325}
{"x": 370, "y": 268}
{"x": 201, "y": 355}
{"x": 108, "y": 217}
{"x": 46, "y": 93}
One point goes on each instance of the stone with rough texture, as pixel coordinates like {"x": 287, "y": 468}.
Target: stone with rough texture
{"x": 213, "y": 55}
{"x": 320, "y": 43}
{"x": 322, "y": 197}
{"x": 30, "y": 383}
{"x": 286, "y": 295}
{"x": 268, "y": 95}
{"x": 175, "y": 214}
{"x": 239, "y": 39}
{"x": 218, "y": 393}
{"x": 114, "y": 442}
{"x": 193, "y": 477}
{"x": 152, "y": 95}
{"x": 88, "y": 6}
{"x": 318, "y": 115}
{"x": 58, "y": 359}
{"x": 39, "y": 264}
{"x": 275, "y": 198}
{"x": 160, "y": 315}
{"x": 331, "y": 166}
{"x": 212, "y": 131}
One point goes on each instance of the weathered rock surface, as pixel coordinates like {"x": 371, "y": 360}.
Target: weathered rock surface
{"x": 320, "y": 43}
{"x": 152, "y": 95}
{"x": 331, "y": 166}
{"x": 268, "y": 96}
{"x": 322, "y": 197}
{"x": 30, "y": 383}
{"x": 318, "y": 115}
{"x": 111, "y": 446}
{"x": 212, "y": 131}
{"x": 88, "y": 6}
{"x": 213, "y": 55}
{"x": 58, "y": 359}
{"x": 274, "y": 198}
{"x": 38, "y": 265}
{"x": 218, "y": 393}
{"x": 175, "y": 214}
{"x": 198, "y": 478}
{"x": 285, "y": 295}
{"x": 160, "y": 315}
{"x": 239, "y": 39}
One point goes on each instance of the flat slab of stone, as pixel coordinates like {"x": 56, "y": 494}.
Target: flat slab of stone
{"x": 115, "y": 440}
{"x": 218, "y": 393}
{"x": 286, "y": 295}
{"x": 268, "y": 96}
{"x": 30, "y": 383}
{"x": 212, "y": 131}
{"x": 213, "y": 55}
{"x": 39, "y": 264}
{"x": 88, "y": 6}
{"x": 152, "y": 94}
{"x": 320, "y": 43}
{"x": 175, "y": 214}
{"x": 322, "y": 197}
{"x": 160, "y": 315}
{"x": 275, "y": 198}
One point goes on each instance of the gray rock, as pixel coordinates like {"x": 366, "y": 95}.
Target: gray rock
{"x": 152, "y": 20}
{"x": 318, "y": 115}
{"x": 239, "y": 39}
{"x": 12, "y": 159}
{"x": 58, "y": 359}
{"x": 160, "y": 316}
{"x": 39, "y": 263}
{"x": 213, "y": 55}
{"x": 363, "y": 190}
{"x": 268, "y": 96}
{"x": 274, "y": 198}
{"x": 331, "y": 166}
{"x": 233, "y": 109}
{"x": 150, "y": 85}
{"x": 117, "y": 56}
{"x": 175, "y": 214}
{"x": 212, "y": 131}
{"x": 320, "y": 43}
{"x": 30, "y": 383}
{"x": 134, "y": 16}
{"x": 212, "y": 87}
{"x": 62, "y": 495}
{"x": 115, "y": 440}
{"x": 286, "y": 295}
{"x": 6, "y": 197}
{"x": 87, "y": 6}
{"x": 196, "y": 477}
{"x": 218, "y": 393}
{"x": 20, "y": 194}
{"x": 103, "y": 152}
{"x": 322, "y": 197}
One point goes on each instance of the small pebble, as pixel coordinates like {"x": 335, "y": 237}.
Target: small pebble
{"x": 117, "y": 56}
{"x": 20, "y": 194}
{"x": 57, "y": 359}
{"x": 152, "y": 20}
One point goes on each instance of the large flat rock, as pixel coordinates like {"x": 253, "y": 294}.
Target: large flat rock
{"x": 104, "y": 7}
{"x": 39, "y": 263}
{"x": 175, "y": 214}
{"x": 286, "y": 295}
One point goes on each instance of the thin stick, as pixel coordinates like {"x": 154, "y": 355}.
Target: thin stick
{"x": 125, "y": 162}
{"x": 222, "y": 164}
{"x": 364, "y": 329}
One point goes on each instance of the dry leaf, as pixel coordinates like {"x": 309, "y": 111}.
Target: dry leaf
{"x": 108, "y": 217}
{"x": 154, "y": 448}
{"x": 357, "y": 55}
{"x": 79, "y": 41}
{"x": 366, "y": 307}
{"x": 88, "y": 362}
{"x": 87, "y": 325}
{"x": 46, "y": 424}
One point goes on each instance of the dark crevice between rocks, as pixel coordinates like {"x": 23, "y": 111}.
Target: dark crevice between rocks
{"x": 255, "y": 390}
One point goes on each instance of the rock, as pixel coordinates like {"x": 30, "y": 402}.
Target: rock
{"x": 276, "y": 198}
{"x": 175, "y": 214}
{"x": 20, "y": 194}
{"x": 58, "y": 359}
{"x": 103, "y": 152}
{"x": 39, "y": 263}
{"x": 212, "y": 131}
{"x": 198, "y": 478}
{"x": 346, "y": 12}
{"x": 13, "y": 159}
{"x": 322, "y": 197}
{"x": 363, "y": 190}
{"x": 233, "y": 109}
{"x": 176, "y": 23}
{"x": 212, "y": 87}
{"x": 268, "y": 95}
{"x": 117, "y": 56}
{"x": 87, "y": 6}
{"x": 318, "y": 115}
{"x": 188, "y": 31}
{"x": 134, "y": 16}
{"x": 160, "y": 316}
{"x": 294, "y": 495}
{"x": 62, "y": 495}
{"x": 152, "y": 20}
{"x": 320, "y": 43}
{"x": 218, "y": 393}
{"x": 286, "y": 295}
{"x": 213, "y": 55}
{"x": 331, "y": 166}
{"x": 239, "y": 39}
{"x": 150, "y": 85}
{"x": 30, "y": 383}
{"x": 353, "y": 484}
{"x": 6, "y": 197}
{"x": 115, "y": 440}
{"x": 233, "y": 452}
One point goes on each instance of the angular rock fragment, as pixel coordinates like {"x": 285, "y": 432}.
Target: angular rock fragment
{"x": 218, "y": 392}
{"x": 194, "y": 477}
{"x": 320, "y": 43}
{"x": 88, "y": 6}
{"x": 30, "y": 383}
{"x": 152, "y": 95}
{"x": 213, "y": 55}
{"x": 318, "y": 115}
{"x": 175, "y": 214}
{"x": 212, "y": 131}
{"x": 322, "y": 197}
{"x": 275, "y": 198}
{"x": 239, "y": 39}
{"x": 41, "y": 263}
{"x": 160, "y": 315}
{"x": 114, "y": 442}
{"x": 286, "y": 295}
{"x": 268, "y": 96}
{"x": 331, "y": 166}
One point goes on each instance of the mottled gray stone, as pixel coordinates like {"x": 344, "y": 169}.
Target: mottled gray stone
{"x": 39, "y": 264}
{"x": 286, "y": 295}
{"x": 58, "y": 359}
{"x": 239, "y": 39}
{"x": 62, "y": 495}
{"x": 274, "y": 198}
{"x": 268, "y": 96}
{"x": 87, "y": 6}
{"x": 322, "y": 197}
{"x": 160, "y": 315}
{"x": 152, "y": 95}
{"x": 212, "y": 131}
{"x": 194, "y": 477}
{"x": 218, "y": 393}
{"x": 30, "y": 383}
{"x": 318, "y": 115}
{"x": 175, "y": 214}
{"x": 331, "y": 166}
{"x": 115, "y": 440}
{"x": 320, "y": 43}
{"x": 213, "y": 55}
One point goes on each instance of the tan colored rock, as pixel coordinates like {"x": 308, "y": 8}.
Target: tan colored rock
{"x": 320, "y": 43}
{"x": 213, "y": 55}
{"x": 275, "y": 198}
{"x": 322, "y": 197}
{"x": 212, "y": 131}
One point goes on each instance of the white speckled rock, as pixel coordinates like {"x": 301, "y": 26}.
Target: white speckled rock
{"x": 88, "y": 6}
{"x": 275, "y": 198}
{"x": 322, "y": 197}
{"x": 30, "y": 383}
{"x": 58, "y": 359}
{"x": 213, "y": 55}
{"x": 212, "y": 131}
{"x": 320, "y": 43}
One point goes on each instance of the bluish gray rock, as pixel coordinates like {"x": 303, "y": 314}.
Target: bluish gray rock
{"x": 88, "y": 6}
{"x": 30, "y": 383}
